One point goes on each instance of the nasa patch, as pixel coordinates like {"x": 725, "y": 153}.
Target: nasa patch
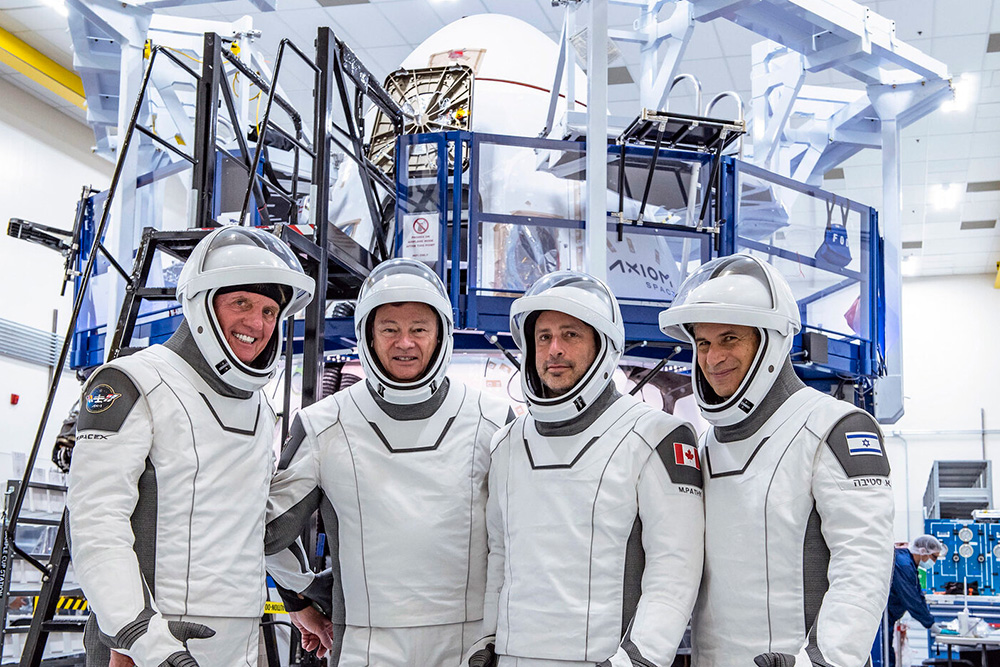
{"x": 101, "y": 397}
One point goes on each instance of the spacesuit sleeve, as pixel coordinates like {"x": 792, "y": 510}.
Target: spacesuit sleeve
{"x": 672, "y": 516}
{"x": 907, "y": 587}
{"x": 293, "y": 498}
{"x": 496, "y": 559}
{"x": 854, "y": 503}
{"x": 114, "y": 437}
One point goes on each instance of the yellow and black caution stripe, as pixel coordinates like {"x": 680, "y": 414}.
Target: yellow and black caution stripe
{"x": 70, "y": 603}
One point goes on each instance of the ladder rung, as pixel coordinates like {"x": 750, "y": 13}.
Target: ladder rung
{"x": 38, "y": 521}
{"x": 156, "y": 293}
{"x": 64, "y": 625}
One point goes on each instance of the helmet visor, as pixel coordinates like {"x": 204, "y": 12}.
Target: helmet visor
{"x": 740, "y": 277}
{"x": 400, "y": 273}
{"x": 248, "y": 236}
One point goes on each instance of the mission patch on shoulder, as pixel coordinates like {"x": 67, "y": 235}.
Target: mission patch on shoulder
{"x": 679, "y": 453}
{"x": 857, "y": 443}
{"x": 107, "y": 402}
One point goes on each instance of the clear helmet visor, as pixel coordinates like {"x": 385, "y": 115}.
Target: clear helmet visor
{"x": 583, "y": 281}
{"x": 740, "y": 277}
{"x": 401, "y": 273}
{"x": 230, "y": 238}
{"x": 736, "y": 289}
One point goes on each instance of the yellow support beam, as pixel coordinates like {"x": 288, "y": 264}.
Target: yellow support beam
{"x": 41, "y": 69}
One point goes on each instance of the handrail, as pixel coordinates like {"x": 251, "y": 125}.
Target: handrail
{"x": 732, "y": 94}
{"x": 694, "y": 81}
{"x": 271, "y": 95}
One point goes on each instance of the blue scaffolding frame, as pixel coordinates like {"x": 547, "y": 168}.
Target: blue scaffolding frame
{"x": 477, "y": 310}
{"x": 852, "y": 357}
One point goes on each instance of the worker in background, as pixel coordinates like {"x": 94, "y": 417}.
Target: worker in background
{"x": 905, "y": 594}
{"x": 595, "y": 510}
{"x": 173, "y": 458}
{"x": 397, "y": 467}
{"x": 798, "y": 504}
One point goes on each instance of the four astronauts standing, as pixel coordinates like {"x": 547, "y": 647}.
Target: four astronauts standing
{"x": 578, "y": 534}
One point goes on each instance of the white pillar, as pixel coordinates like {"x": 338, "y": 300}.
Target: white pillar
{"x": 596, "y": 225}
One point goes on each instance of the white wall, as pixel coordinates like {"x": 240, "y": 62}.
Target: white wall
{"x": 45, "y": 160}
{"x": 951, "y": 360}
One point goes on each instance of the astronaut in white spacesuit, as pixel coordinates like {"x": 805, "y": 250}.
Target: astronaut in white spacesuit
{"x": 170, "y": 473}
{"x": 397, "y": 467}
{"x": 595, "y": 510}
{"x": 798, "y": 504}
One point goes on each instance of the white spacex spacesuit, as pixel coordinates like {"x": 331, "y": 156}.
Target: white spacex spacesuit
{"x": 595, "y": 510}
{"x": 398, "y": 472}
{"x": 798, "y": 504}
{"x": 169, "y": 478}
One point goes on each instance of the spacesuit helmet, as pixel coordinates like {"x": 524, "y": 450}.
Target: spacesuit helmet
{"x": 403, "y": 280}
{"x": 587, "y": 299}
{"x": 235, "y": 258}
{"x": 743, "y": 290}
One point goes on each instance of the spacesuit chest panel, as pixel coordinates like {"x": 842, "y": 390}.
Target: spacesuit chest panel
{"x": 206, "y": 450}
{"x": 758, "y": 495}
{"x": 569, "y": 505}
{"x": 410, "y": 498}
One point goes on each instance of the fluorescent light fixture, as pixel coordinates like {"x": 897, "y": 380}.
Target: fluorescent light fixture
{"x": 58, "y": 6}
{"x": 965, "y": 93}
{"x": 910, "y": 266}
{"x": 945, "y": 196}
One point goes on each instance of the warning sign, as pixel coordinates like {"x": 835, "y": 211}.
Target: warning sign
{"x": 274, "y": 608}
{"x": 421, "y": 233}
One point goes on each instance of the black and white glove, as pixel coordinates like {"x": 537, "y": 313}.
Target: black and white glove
{"x": 152, "y": 641}
{"x": 774, "y": 660}
{"x": 319, "y": 591}
{"x": 621, "y": 658}
{"x": 483, "y": 653}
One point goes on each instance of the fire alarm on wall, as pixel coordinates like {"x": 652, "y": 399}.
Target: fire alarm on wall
{"x": 14, "y": 398}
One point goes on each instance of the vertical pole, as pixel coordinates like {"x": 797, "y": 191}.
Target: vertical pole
{"x": 889, "y": 389}
{"x": 596, "y": 226}
{"x": 314, "y": 338}
{"x": 124, "y": 209}
{"x": 570, "y": 73}
{"x": 206, "y": 112}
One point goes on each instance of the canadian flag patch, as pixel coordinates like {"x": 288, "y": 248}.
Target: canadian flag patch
{"x": 686, "y": 455}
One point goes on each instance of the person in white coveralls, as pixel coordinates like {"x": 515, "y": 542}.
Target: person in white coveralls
{"x": 798, "y": 503}
{"x": 173, "y": 459}
{"x": 397, "y": 467}
{"x": 595, "y": 509}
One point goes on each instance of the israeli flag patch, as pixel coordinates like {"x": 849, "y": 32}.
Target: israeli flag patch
{"x": 860, "y": 443}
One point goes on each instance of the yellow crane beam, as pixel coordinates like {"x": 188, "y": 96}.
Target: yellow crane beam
{"x": 41, "y": 69}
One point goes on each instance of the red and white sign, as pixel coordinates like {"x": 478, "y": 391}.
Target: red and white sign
{"x": 686, "y": 455}
{"x": 421, "y": 232}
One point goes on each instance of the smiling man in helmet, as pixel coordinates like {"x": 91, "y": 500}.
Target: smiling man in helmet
{"x": 397, "y": 467}
{"x": 595, "y": 509}
{"x": 170, "y": 474}
{"x": 798, "y": 506}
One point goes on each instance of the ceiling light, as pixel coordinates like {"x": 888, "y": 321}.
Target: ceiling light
{"x": 944, "y": 196}
{"x": 910, "y": 266}
{"x": 59, "y": 6}
{"x": 965, "y": 93}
